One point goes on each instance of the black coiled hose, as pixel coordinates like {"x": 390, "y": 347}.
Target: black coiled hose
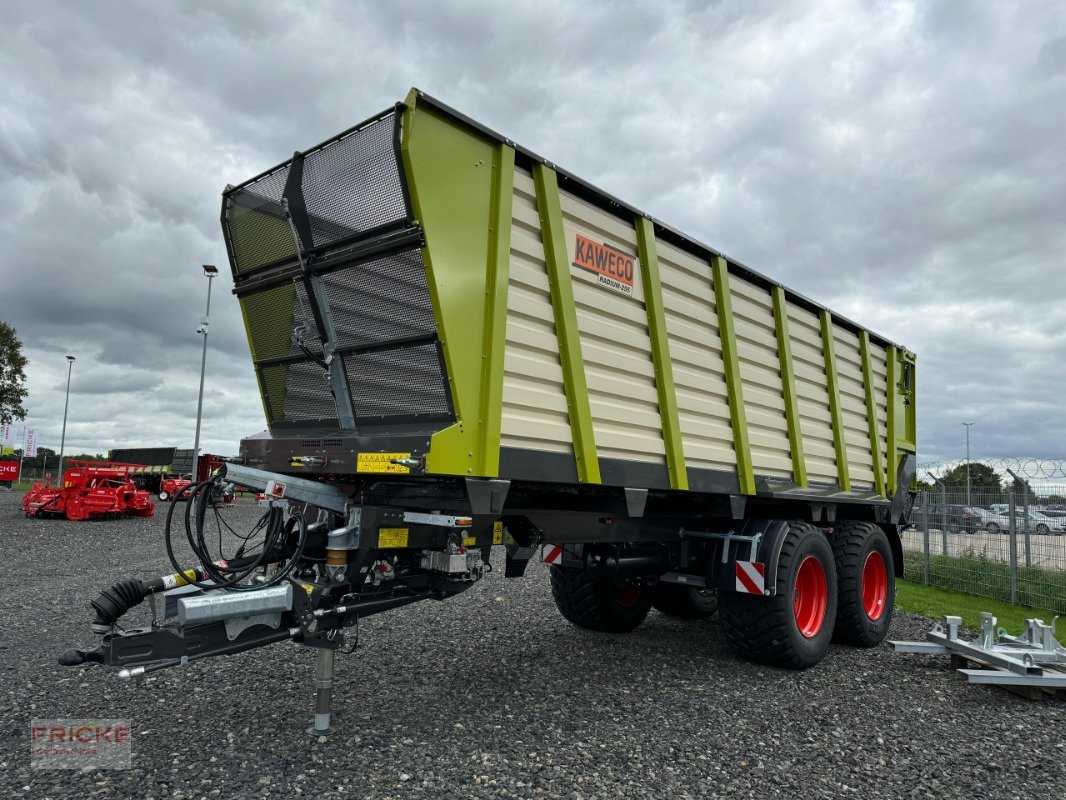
{"x": 116, "y": 601}
{"x": 229, "y": 576}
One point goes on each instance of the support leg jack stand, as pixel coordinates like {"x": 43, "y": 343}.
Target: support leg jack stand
{"x": 323, "y": 693}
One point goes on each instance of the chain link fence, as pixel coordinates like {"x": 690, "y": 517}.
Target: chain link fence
{"x": 1007, "y": 542}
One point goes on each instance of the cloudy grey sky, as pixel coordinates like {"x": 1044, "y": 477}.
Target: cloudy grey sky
{"x": 904, "y": 163}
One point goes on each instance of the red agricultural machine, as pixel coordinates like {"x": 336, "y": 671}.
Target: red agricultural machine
{"x": 90, "y": 489}
{"x": 170, "y": 487}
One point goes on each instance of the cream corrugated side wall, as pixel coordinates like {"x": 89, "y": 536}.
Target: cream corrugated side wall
{"x": 696, "y": 358}
{"x": 620, "y": 374}
{"x": 614, "y": 344}
{"x": 813, "y": 397}
{"x": 853, "y": 408}
{"x": 760, "y": 372}
{"x": 534, "y": 400}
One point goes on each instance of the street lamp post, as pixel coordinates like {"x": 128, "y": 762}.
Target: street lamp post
{"x": 210, "y": 271}
{"x": 66, "y": 406}
{"x": 967, "y": 425}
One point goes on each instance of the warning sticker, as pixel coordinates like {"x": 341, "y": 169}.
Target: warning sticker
{"x": 612, "y": 267}
{"x": 392, "y": 537}
{"x": 497, "y": 532}
{"x": 381, "y": 462}
{"x": 551, "y": 553}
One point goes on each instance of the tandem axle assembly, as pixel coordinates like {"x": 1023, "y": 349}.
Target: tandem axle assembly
{"x": 320, "y": 561}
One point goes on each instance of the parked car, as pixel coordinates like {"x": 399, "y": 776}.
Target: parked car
{"x": 957, "y": 519}
{"x": 1038, "y": 523}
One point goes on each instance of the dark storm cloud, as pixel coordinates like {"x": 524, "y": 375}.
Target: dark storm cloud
{"x": 901, "y": 162}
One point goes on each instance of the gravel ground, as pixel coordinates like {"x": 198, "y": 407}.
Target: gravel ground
{"x": 493, "y": 694}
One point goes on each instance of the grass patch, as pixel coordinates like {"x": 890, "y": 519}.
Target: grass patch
{"x": 976, "y": 574}
{"x": 934, "y": 602}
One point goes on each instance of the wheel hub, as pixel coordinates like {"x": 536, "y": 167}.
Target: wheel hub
{"x": 810, "y": 597}
{"x": 874, "y": 586}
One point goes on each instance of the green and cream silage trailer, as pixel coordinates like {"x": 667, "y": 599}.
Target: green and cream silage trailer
{"x": 460, "y": 345}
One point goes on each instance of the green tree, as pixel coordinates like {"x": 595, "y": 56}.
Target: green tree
{"x": 986, "y": 485}
{"x": 12, "y": 376}
{"x": 43, "y": 454}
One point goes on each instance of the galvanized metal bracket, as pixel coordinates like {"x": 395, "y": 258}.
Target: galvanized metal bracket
{"x": 1034, "y": 660}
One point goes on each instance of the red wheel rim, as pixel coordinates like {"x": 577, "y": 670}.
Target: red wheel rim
{"x": 810, "y": 597}
{"x": 874, "y": 586}
{"x": 627, "y": 594}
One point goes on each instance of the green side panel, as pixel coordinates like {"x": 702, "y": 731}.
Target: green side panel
{"x": 834, "y": 401}
{"x": 788, "y": 384}
{"x": 268, "y": 321}
{"x": 734, "y": 386}
{"x": 893, "y": 449}
{"x": 902, "y": 409}
{"x": 490, "y": 413}
{"x": 459, "y": 183}
{"x": 258, "y": 378}
{"x": 258, "y": 236}
{"x": 268, "y": 325}
{"x": 871, "y": 412}
{"x": 272, "y": 387}
{"x": 562, "y": 295}
{"x": 660, "y": 353}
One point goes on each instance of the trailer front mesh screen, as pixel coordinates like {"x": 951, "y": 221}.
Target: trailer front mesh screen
{"x": 353, "y": 184}
{"x": 378, "y": 309}
{"x": 255, "y": 224}
{"x": 380, "y": 301}
{"x": 403, "y": 382}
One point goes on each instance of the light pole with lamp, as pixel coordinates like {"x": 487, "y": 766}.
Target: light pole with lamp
{"x": 66, "y": 406}
{"x": 210, "y": 271}
{"x": 968, "y": 424}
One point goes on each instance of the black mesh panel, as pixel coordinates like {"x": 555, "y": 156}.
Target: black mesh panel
{"x": 271, "y": 316}
{"x": 304, "y": 321}
{"x": 403, "y": 382}
{"x": 354, "y": 184}
{"x": 258, "y": 231}
{"x": 380, "y": 301}
{"x": 296, "y": 392}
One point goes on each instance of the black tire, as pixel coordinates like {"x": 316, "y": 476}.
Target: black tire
{"x": 764, "y": 629}
{"x": 857, "y": 545}
{"x": 992, "y": 527}
{"x": 1042, "y": 529}
{"x": 600, "y": 605}
{"x": 684, "y": 602}
{"x": 164, "y": 495}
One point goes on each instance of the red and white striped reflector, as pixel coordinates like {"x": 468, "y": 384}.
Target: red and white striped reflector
{"x": 751, "y": 577}
{"x": 551, "y": 553}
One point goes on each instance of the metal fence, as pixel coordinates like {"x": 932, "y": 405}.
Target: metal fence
{"x": 32, "y": 474}
{"x": 1005, "y": 544}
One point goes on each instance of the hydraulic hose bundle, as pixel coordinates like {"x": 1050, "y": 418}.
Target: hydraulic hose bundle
{"x": 223, "y": 573}
{"x": 213, "y": 573}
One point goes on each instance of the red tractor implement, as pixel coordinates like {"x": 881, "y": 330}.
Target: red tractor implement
{"x": 90, "y": 489}
{"x": 170, "y": 487}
